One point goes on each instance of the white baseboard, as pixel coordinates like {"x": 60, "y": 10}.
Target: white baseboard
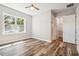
{"x": 41, "y": 39}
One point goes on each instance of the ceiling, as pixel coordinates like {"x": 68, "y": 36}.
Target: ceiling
{"x": 57, "y": 7}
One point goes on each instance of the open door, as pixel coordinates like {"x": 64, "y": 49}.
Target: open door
{"x": 69, "y": 28}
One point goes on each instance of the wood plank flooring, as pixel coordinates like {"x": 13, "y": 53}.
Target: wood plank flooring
{"x": 34, "y": 47}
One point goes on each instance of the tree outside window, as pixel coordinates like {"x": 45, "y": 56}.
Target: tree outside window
{"x": 13, "y": 24}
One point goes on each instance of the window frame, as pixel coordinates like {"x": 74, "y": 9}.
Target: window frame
{"x": 4, "y": 32}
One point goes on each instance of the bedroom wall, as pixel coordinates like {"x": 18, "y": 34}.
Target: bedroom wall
{"x": 19, "y": 36}
{"x": 41, "y": 26}
{"x": 44, "y": 26}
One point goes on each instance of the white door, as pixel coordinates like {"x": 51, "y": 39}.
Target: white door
{"x": 69, "y": 28}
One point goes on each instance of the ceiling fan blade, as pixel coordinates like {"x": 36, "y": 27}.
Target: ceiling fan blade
{"x": 28, "y": 6}
{"x": 32, "y": 5}
{"x": 36, "y": 8}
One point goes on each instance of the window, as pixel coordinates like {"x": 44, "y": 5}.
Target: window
{"x": 13, "y": 24}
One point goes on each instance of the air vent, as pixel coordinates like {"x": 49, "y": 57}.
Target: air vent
{"x": 70, "y": 5}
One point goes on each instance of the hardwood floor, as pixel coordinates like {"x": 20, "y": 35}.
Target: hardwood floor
{"x": 34, "y": 47}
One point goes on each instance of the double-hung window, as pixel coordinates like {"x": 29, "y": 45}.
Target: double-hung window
{"x": 13, "y": 24}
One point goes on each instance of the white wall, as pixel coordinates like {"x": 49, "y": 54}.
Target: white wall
{"x": 77, "y": 11}
{"x": 41, "y": 26}
{"x": 69, "y": 11}
{"x": 19, "y": 36}
{"x": 78, "y": 24}
{"x": 69, "y": 28}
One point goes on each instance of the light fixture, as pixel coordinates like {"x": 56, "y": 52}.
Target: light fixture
{"x": 32, "y": 8}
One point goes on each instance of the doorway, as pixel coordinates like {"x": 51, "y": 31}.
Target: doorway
{"x": 66, "y": 28}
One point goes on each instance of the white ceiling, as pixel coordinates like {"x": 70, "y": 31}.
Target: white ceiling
{"x": 57, "y": 7}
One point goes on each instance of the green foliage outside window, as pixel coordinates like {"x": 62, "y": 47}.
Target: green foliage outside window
{"x": 20, "y": 21}
{"x": 13, "y": 23}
